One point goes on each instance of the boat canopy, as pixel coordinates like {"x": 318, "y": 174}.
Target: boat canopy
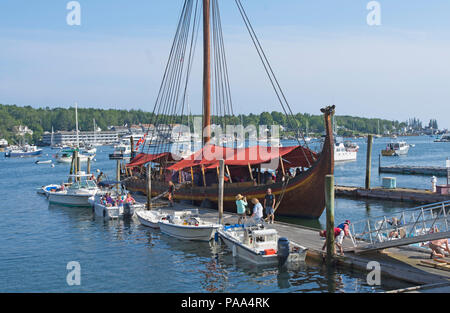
{"x": 210, "y": 155}
{"x": 143, "y": 158}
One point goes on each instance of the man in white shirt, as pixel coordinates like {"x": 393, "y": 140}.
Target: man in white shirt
{"x": 257, "y": 210}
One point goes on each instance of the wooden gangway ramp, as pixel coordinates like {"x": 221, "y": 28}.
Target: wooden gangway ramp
{"x": 416, "y": 225}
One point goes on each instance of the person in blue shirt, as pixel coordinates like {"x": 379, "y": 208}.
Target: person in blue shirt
{"x": 241, "y": 204}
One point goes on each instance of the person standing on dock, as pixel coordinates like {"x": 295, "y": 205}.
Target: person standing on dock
{"x": 241, "y": 203}
{"x": 269, "y": 204}
{"x": 171, "y": 192}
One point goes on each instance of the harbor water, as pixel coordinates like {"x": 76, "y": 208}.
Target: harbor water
{"x": 38, "y": 241}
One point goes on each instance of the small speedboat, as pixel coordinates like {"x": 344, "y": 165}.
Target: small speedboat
{"x": 261, "y": 245}
{"x": 186, "y": 225}
{"x": 150, "y": 218}
{"x": 78, "y": 193}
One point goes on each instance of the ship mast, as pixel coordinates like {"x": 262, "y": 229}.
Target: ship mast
{"x": 206, "y": 73}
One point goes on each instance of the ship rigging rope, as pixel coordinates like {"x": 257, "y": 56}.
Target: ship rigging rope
{"x": 270, "y": 73}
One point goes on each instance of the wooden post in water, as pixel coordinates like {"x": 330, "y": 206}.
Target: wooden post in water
{"x": 329, "y": 203}
{"x": 221, "y": 185}
{"x": 149, "y": 186}
{"x": 369, "y": 160}
{"x": 132, "y": 146}
{"x": 88, "y": 169}
{"x": 118, "y": 175}
{"x": 379, "y": 163}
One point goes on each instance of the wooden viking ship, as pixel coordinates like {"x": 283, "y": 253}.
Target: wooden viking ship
{"x": 299, "y": 196}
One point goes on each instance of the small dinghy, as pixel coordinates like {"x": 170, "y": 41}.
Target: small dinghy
{"x": 43, "y": 162}
{"x": 45, "y": 190}
{"x": 186, "y": 225}
{"x": 151, "y": 218}
{"x": 261, "y": 245}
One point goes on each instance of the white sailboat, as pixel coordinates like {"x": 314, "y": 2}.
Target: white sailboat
{"x": 65, "y": 155}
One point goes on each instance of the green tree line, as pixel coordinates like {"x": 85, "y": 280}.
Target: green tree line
{"x": 41, "y": 120}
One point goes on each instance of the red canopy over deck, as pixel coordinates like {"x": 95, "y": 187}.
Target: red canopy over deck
{"x": 143, "y": 158}
{"x": 209, "y": 156}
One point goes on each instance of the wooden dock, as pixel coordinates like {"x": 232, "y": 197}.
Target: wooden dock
{"x": 396, "y": 194}
{"x": 414, "y": 170}
{"x": 403, "y": 264}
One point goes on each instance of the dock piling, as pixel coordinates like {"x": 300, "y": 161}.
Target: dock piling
{"x": 88, "y": 168}
{"x": 149, "y": 186}
{"x": 329, "y": 203}
{"x": 221, "y": 185}
{"x": 118, "y": 175}
{"x": 369, "y": 160}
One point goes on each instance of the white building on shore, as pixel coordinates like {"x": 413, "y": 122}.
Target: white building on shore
{"x": 88, "y": 137}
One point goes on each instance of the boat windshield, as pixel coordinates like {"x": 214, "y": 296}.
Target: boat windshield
{"x": 89, "y": 184}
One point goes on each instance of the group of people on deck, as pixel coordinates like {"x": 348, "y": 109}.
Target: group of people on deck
{"x": 109, "y": 201}
{"x": 257, "y": 214}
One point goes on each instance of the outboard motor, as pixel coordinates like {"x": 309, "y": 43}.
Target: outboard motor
{"x": 127, "y": 209}
{"x": 283, "y": 250}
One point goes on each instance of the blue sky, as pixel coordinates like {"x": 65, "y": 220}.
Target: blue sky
{"x": 323, "y": 52}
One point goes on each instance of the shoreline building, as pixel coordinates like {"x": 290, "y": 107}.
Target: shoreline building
{"x": 86, "y": 137}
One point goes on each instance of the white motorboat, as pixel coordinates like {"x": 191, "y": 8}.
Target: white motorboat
{"x": 261, "y": 245}
{"x": 342, "y": 154}
{"x": 116, "y": 211}
{"x": 65, "y": 156}
{"x": 23, "y": 151}
{"x": 396, "y": 148}
{"x": 444, "y": 138}
{"x": 121, "y": 150}
{"x": 77, "y": 194}
{"x": 185, "y": 225}
{"x": 150, "y": 218}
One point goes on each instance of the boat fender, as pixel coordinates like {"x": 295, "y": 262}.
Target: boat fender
{"x": 216, "y": 237}
{"x": 283, "y": 250}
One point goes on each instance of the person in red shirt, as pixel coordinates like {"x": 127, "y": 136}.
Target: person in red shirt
{"x": 338, "y": 236}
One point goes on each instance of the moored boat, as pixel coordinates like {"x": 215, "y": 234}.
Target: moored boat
{"x": 261, "y": 245}
{"x": 396, "y": 148}
{"x": 184, "y": 225}
{"x": 150, "y": 218}
{"x": 444, "y": 138}
{"x": 77, "y": 194}
{"x": 342, "y": 154}
{"x": 23, "y": 151}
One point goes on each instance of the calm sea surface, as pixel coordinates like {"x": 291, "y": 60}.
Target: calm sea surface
{"x": 37, "y": 240}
